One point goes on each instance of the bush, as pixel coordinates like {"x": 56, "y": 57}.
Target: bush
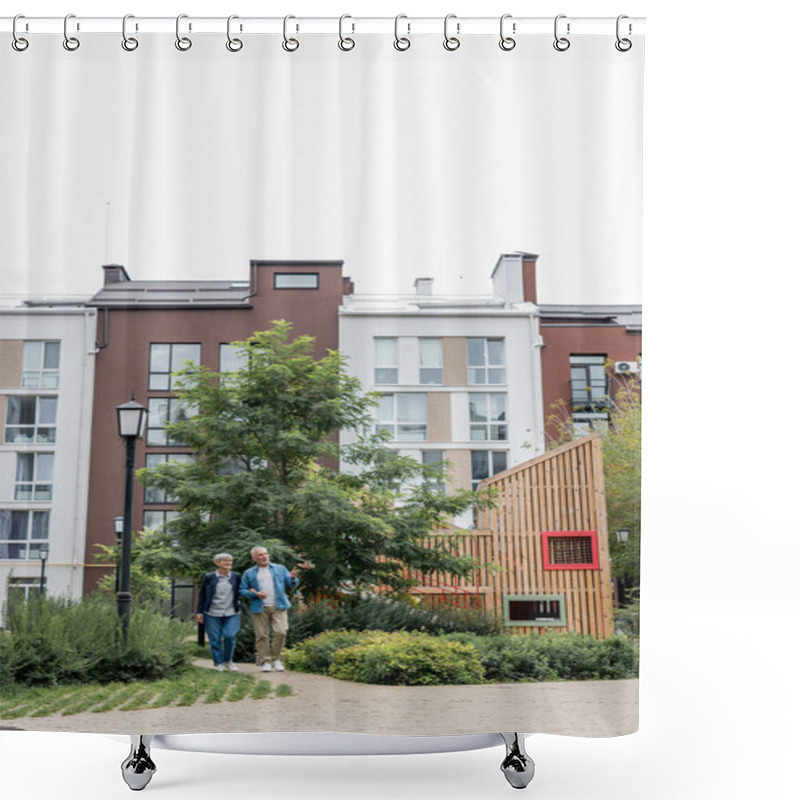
{"x": 386, "y": 614}
{"x": 55, "y": 641}
{"x": 407, "y": 659}
{"x": 315, "y": 654}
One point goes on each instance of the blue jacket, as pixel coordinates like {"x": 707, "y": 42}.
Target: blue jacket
{"x": 209, "y": 585}
{"x": 283, "y": 583}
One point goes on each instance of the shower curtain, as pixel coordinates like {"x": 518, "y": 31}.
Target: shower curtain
{"x": 452, "y": 205}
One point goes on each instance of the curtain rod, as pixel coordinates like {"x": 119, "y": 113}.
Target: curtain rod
{"x": 326, "y": 25}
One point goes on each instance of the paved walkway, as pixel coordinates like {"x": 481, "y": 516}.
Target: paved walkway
{"x": 320, "y": 703}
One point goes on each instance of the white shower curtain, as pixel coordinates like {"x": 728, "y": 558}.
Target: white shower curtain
{"x": 201, "y": 165}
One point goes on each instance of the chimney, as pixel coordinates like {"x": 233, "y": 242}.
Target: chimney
{"x": 514, "y": 278}
{"x": 424, "y": 286}
{"x": 348, "y": 287}
{"x": 114, "y": 273}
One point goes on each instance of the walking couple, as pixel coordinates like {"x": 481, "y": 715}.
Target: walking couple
{"x": 266, "y": 585}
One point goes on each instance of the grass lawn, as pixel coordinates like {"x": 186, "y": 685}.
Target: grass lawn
{"x": 193, "y": 686}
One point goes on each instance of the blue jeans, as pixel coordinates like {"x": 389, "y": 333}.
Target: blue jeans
{"x": 221, "y": 636}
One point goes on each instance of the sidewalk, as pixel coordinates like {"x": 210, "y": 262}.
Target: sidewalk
{"x": 320, "y": 703}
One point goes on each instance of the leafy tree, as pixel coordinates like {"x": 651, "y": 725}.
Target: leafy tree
{"x": 622, "y": 467}
{"x": 265, "y": 444}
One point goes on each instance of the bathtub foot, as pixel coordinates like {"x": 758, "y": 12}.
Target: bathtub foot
{"x": 138, "y": 768}
{"x": 517, "y": 766}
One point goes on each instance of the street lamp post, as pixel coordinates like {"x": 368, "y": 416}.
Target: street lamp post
{"x": 130, "y": 426}
{"x": 119, "y": 526}
{"x": 44, "y": 551}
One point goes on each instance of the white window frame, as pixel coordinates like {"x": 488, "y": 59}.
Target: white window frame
{"x": 431, "y": 363}
{"x": 29, "y": 542}
{"x": 37, "y": 480}
{"x": 35, "y": 372}
{"x": 401, "y": 426}
{"x": 386, "y": 370}
{"x": 41, "y": 432}
{"x": 486, "y": 369}
{"x": 492, "y": 425}
{"x": 497, "y": 462}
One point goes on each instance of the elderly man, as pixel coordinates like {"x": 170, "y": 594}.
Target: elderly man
{"x": 266, "y": 585}
{"x": 218, "y": 609}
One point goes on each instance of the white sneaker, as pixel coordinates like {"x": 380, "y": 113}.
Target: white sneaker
{"x": 266, "y": 667}
{"x": 219, "y": 667}
{"x": 278, "y": 665}
{"x": 232, "y": 667}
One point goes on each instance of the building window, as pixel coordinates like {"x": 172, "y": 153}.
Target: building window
{"x": 296, "y": 280}
{"x": 168, "y": 358}
{"x": 486, "y": 361}
{"x": 21, "y": 532}
{"x": 485, "y": 463}
{"x": 30, "y": 419}
{"x": 430, "y": 361}
{"x": 153, "y": 520}
{"x": 385, "y": 360}
{"x": 34, "y": 479}
{"x": 161, "y": 412}
{"x": 40, "y": 362}
{"x": 487, "y": 418}
{"x": 151, "y": 494}
{"x": 588, "y": 386}
{"x": 433, "y": 460}
{"x": 232, "y": 358}
{"x": 405, "y": 416}
{"x": 570, "y": 550}
{"x": 534, "y": 610}
{"x": 20, "y": 590}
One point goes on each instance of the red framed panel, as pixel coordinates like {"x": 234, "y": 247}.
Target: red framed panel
{"x": 588, "y": 538}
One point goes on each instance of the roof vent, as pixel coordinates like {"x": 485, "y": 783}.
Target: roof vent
{"x": 424, "y": 286}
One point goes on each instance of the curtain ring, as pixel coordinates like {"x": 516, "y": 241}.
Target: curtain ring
{"x": 561, "y": 43}
{"x": 401, "y": 42}
{"x": 289, "y": 45}
{"x": 183, "y": 43}
{"x": 129, "y": 43}
{"x": 623, "y": 45}
{"x": 507, "y": 42}
{"x": 70, "y": 42}
{"x": 451, "y": 42}
{"x": 346, "y": 42}
{"x": 19, "y": 43}
{"x": 233, "y": 45}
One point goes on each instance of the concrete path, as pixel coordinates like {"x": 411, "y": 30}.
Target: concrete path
{"x": 320, "y": 703}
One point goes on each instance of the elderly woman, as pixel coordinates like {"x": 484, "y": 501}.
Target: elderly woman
{"x": 218, "y": 609}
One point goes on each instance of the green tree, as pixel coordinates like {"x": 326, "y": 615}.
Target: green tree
{"x": 266, "y": 450}
{"x": 622, "y": 468}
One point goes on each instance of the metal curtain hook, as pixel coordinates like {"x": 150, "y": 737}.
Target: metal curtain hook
{"x": 623, "y": 45}
{"x": 70, "y": 42}
{"x": 506, "y": 42}
{"x": 19, "y": 43}
{"x": 234, "y": 45}
{"x": 451, "y": 42}
{"x": 182, "y": 42}
{"x": 561, "y": 43}
{"x": 401, "y": 42}
{"x": 346, "y": 42}
{"x": 129, "y": 43}
{"x": 289, "y": 44}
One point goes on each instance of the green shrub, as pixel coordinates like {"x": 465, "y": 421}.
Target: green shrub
{"x": 315, "y": 654}
{"x": 508, "y": 658}
{"x": 408, "y": 659}
{"x": 386, "y": 614}
{"x": 56, "y": 641}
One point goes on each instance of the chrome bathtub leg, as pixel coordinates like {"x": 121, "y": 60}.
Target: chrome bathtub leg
{"x": 138, "y": 768}
{"x": 517, "y": 766}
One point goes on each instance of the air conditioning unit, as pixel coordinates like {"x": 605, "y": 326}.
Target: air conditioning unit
{"x": 625, "y": 367}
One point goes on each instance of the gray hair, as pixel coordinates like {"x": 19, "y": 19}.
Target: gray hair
{"x": 220, "y": 556}
{"x": 258, "y": 547}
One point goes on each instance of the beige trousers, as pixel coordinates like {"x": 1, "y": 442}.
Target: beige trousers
{"x": 276, "y": 619}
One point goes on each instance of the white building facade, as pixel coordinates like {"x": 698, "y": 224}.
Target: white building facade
{"x": 46, "y": 388}
{"x": 459, "y": 376}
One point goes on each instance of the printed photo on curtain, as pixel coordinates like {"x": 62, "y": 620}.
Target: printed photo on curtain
{"x": 321, "y": 376}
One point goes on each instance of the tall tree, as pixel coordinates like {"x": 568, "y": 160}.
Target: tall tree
{"x": 265, "y": 445}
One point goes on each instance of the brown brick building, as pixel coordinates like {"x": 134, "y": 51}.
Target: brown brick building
{"x": 147, "y": 329}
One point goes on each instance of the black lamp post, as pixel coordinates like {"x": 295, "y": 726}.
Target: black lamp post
{"x": 119, "y": 525}
{"x": 44, "y": 551}
{"x": 130, "y": 426}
